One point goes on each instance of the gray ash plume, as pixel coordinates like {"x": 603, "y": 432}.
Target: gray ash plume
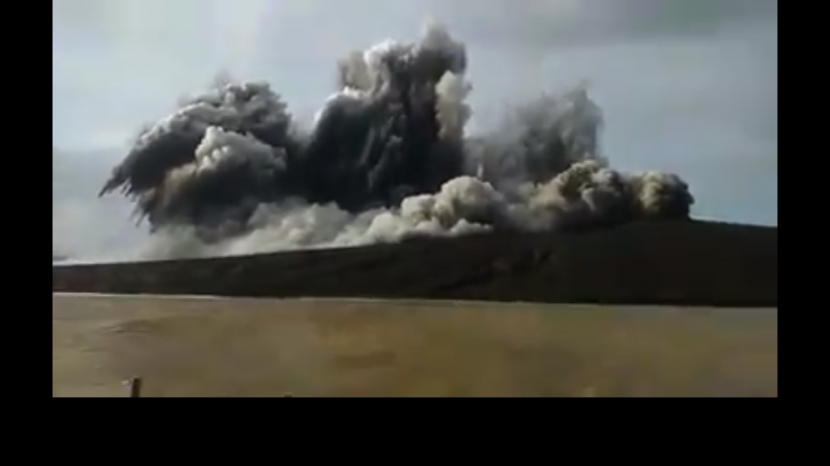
{"x": 387, "y": 157}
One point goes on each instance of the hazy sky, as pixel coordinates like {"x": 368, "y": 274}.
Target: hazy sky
{"x": 687, "y": 85}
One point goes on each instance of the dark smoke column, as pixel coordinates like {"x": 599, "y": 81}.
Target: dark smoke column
{"x": 375, "y": 142}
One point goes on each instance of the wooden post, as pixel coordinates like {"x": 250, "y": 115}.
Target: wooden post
{"x": 135, "y": 387}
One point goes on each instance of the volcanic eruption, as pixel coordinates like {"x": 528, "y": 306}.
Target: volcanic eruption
{"x": 386, "y": 157}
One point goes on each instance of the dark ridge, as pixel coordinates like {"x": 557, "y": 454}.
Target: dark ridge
{"x": 683, "y": 263}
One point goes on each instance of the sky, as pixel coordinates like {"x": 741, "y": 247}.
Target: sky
{"x": 687, "y": 86}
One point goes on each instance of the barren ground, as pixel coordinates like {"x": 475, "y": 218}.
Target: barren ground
{"x": 399, "y": 347}
{"x": 250, "y": 347}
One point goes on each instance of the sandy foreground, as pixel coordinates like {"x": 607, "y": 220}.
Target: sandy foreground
{"x": 250, "y": 347}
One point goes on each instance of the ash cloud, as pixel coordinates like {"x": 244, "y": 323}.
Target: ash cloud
{"x": 386, "y": 158}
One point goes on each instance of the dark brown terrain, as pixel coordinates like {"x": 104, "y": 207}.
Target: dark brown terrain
{"x": 693, "y": 263}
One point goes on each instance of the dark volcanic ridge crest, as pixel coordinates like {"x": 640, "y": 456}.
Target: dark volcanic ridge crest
{"x": 387, "y": 158}
{"x": 639, "y": 263}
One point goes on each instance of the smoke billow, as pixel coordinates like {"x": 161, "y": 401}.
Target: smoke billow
{"x": 386, "y": 158}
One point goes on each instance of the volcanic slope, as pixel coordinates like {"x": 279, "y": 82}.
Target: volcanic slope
{"x": 683, "y": 263}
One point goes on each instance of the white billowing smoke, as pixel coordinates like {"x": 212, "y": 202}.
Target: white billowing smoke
{"x": 386, "y": 159}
